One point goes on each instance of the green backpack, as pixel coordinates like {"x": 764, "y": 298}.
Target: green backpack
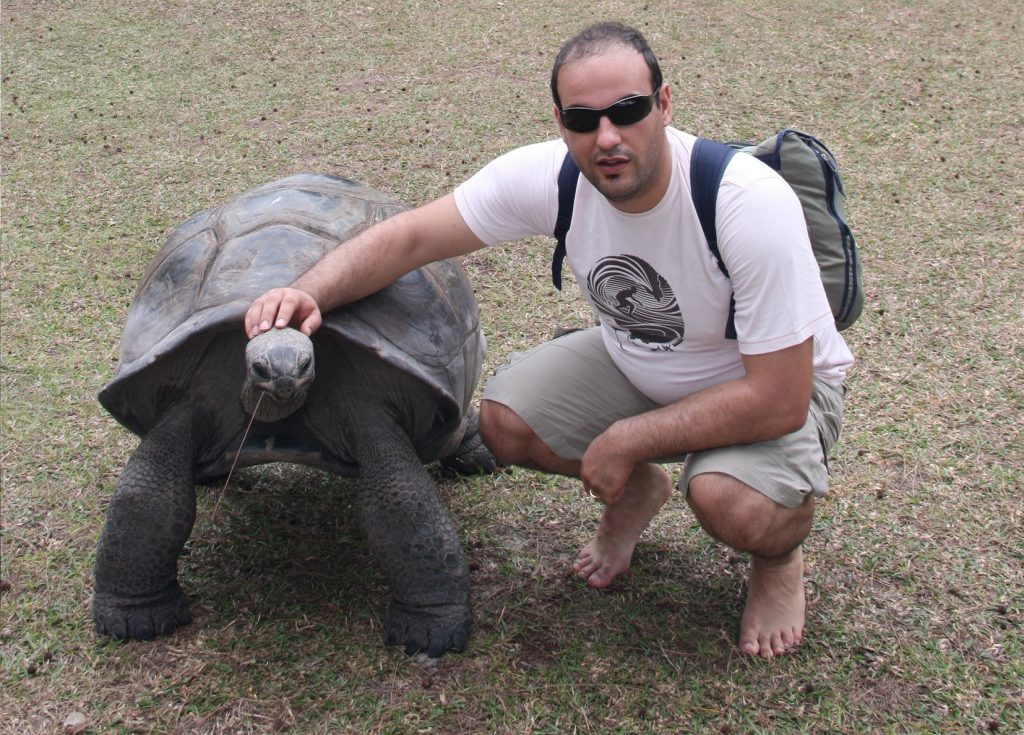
{"x": 808, "y": 167}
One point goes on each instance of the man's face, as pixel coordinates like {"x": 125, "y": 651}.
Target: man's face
{"x": 629, "y": 164}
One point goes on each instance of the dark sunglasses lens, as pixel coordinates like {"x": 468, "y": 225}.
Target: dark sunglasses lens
{"x": 629, "y": 111}
{"x": 624, "y": 112}
{"x": 580, "y": 119}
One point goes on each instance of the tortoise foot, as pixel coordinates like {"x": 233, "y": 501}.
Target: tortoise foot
{"x": 477, "y": 461}
{"x": 432, "y": 630}
{"x": 472, "y": 457}
{"x": 140, "y": 618}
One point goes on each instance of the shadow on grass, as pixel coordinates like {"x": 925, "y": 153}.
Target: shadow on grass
{"x": 281, "y": 545}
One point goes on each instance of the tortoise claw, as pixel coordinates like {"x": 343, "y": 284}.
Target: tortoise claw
{"x": 125, "y": 618}
{"x": 433, "y": 631}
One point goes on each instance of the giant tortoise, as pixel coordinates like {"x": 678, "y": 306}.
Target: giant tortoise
{"x": 396, "y": 375}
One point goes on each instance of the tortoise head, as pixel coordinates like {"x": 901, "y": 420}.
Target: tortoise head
{"x": 279, "y": 372}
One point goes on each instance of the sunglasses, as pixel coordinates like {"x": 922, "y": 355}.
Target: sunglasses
{"x": 626, "y": 111}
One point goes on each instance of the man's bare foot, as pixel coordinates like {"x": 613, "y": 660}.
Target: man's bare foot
{"x": 622, "y": 523}
{"x": 773, "y": 620}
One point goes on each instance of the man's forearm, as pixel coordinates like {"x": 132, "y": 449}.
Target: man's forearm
{"x": 358, "y": 267}
{"x": 768, "y": 402}
{"x": 387, "y": 251}
{"x": 721, "y": 416}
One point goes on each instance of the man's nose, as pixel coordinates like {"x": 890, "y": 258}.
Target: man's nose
{"x": 608, "y": 135}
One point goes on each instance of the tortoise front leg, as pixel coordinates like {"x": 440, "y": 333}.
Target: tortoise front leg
{"x": 148, "y": 522}
{"x": 412, "y": 537}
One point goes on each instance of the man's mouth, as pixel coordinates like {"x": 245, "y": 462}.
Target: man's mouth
{"x": 612, "y": 165}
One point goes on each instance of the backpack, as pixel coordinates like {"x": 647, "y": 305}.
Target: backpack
{"x": 807, "y": 166}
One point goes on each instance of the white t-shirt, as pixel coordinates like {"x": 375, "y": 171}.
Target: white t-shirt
{"x": 663, "y": 301}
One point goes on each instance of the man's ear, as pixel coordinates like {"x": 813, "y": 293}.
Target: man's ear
{"x": 665, "y": 98}
{"x": 558, "y": 119}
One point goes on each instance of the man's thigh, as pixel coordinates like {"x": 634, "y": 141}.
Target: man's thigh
{"x": 567, "y": 391}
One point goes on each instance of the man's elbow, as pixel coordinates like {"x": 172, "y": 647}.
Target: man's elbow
{"x": 793, "y": 415}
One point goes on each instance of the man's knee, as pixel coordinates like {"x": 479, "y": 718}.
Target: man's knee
{"x": 745, "y": 519}
{"x": 504, "y": 433}
{"x": 513, "y": 442}
{"x": 719, "y": 506}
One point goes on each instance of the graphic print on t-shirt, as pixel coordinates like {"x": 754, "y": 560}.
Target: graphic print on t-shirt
{"x": 637, "y": 300}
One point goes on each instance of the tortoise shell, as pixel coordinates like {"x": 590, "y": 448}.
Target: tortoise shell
{"x": 216, "y": 263}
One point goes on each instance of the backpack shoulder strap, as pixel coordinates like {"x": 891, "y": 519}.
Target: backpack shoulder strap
{"x": 567, "y": 179}
{"x": 707, "y": 166}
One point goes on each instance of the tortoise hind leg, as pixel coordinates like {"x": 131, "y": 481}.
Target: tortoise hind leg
{"x": 472, "y": 456}
{"x": 148, "y": 521}
{"x": 413, "y": 539}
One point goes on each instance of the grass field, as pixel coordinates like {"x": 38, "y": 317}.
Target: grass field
{"x": 119, "y": 120}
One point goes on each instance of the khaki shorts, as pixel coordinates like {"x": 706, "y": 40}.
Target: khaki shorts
{"x": 568, "y": 392}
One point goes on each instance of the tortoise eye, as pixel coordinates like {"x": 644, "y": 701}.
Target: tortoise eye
{"x": 260, "y": 371}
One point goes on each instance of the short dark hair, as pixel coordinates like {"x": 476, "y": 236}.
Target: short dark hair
{"x": 594, "y": 40}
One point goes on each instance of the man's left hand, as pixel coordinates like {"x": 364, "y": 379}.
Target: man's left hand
{"x": 605, "y": 468}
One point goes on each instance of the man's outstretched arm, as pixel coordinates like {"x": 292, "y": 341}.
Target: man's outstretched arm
{"x": 364, "y": 265}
